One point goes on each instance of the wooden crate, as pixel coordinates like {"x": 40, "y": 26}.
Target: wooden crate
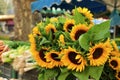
{"x": 7, "y": 71}
{"x": 31, "y": 75}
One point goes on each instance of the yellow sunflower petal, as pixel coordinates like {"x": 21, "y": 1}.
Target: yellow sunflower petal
{"x": 115, "y": 46}
{"x": 61, "y": 39}
{"x": 36, "y": 30}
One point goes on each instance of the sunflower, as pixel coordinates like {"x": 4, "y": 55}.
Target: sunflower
{"x": 61, "y": 39}
{"x": 108, "y": 44}
{"x": 73, "y": 60}
{"x": 118, "y": 75}
{"x": 98, "y": 54}
{"x": 31, "y": 38}
{"x": 114, "y": 46}
{"x": 69, "y": 23}
{"x": 39, "y": 56}
{"x": 78, "y": 30}
{"x": 53, "y": 58}
{"x": 115, "y": 51}
{"x": 114, "y": 63}
{"x": 36, "y": 31}
{"x": 85, "y": 12}
{"x": 32, "y": 41}
{"x": 50, "y": 27}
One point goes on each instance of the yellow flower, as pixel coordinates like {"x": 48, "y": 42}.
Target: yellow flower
{"x": 69, "y": 23}
{"x": 31, "y": 38}
{"x": 78, "y": 30}
{"x": 115, "y": 48}
{"x": 73, "y": 60}
{"x": 50, "y": 27}
{"x": 53, "y": 58}
{"x": 61, "y": 39}
{"x": 36, "y": 30}
{"x": 98, "y": 54}
{"x": 115, "y": 51}
{"x": 114, "y": 63}
{"x": 107, "y": 43}
{"x": 33, "y": 42}
{"x": 39, "y": 56}
{"x": 86, "y": 13}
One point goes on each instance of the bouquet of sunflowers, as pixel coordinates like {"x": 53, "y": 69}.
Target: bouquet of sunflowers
{"x": 72, "y": 47}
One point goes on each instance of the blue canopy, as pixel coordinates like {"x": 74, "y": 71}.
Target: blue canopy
{"x": 39, "y": 4}
{"x": 93, "y": 6}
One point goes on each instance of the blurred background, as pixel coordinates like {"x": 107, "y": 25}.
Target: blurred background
{"x": 18, "y": 17}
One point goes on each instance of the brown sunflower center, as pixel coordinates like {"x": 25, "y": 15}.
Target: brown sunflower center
{"x": 114, "y": 63}
{"x": 72, "y": 56}
{"x": 53, "y": 36}
{"x": 97, "y": 53}
{"x": 55, "y": 57}
{"x": 119, "y": 74}
{"x": 38, "y": 34}
{"x": 69, "y": 27}
{"x": 52, "y": 30}
{"x": 78, "y": 33}
{"x": 42, "y": 55}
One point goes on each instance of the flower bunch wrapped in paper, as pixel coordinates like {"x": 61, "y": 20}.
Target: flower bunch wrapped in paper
{"x": 70, "y": 47}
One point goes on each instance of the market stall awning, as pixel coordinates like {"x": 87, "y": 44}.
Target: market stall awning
{"x": 93, "y": 6}
{"x": 39, "y": 4}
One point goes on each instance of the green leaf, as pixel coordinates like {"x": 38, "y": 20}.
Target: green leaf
{"x": 57, "y": 34}
{"x": 42, "y": 31}
{"x": 63, "y": 76}
{"x": 64, "y": 69}
{"x": 41, "y": 76}
{"x": 44, "y": 41}
{"x": 78, "y": 17}
{"x": 99, "y": 31}
{"x": 47, "y": 21}
{"x": 61, "y": 19}
{"x": 50, "y": 35}
{"x": 50, "y": 73}
{"x": 84, "y": 41}
{"x": 84, "y": 75}
{"x": 96, "y": 71}
{"x": 68, "y": 15}
{"x": 67, "y": 36}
